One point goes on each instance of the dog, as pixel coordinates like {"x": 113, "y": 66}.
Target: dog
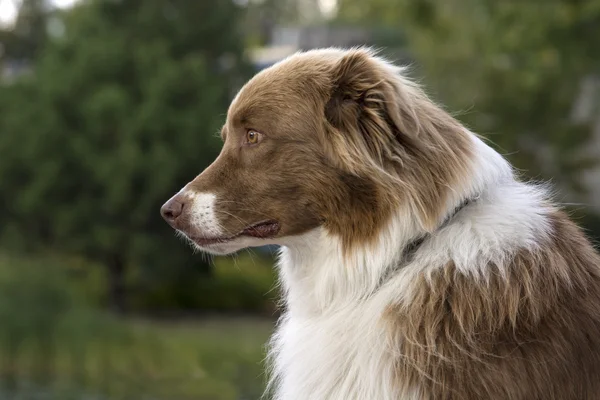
{"x": 414, "y": 263}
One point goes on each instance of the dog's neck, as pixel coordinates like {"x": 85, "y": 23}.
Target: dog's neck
{"x": 413, "y": 246}
{"x": 316, "y": 271}
{"x": 318, "y": 276}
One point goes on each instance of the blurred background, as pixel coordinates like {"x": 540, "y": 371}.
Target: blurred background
{"x": 108, "y": 107}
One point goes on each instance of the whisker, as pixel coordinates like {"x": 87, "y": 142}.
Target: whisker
{"x": 249, "y": 210}
{"x": 245, "y": 223}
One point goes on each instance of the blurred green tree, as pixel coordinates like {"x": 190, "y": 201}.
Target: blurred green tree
{"x": 121, "y": 111}
{"x": 519, "y": 64}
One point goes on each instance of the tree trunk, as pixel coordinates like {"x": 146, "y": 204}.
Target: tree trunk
{"x": 116, "y": 285}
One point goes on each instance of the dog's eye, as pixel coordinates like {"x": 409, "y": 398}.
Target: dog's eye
{"x": 252, "y": 137}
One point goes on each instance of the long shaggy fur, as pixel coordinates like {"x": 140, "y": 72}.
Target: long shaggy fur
{"x": 414, "y": 264}
{"x": 502, "y": 302}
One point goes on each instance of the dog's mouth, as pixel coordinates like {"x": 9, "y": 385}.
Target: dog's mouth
{"x": 260, "y": 230}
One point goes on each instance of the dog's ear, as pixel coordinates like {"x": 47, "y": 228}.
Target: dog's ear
{"x": 381, "y": 119}
{"x": 363, "y": 103}
{"x": 353, "y": 82}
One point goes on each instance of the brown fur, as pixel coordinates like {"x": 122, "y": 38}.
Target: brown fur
{"x": 401, "y": 130}
{"x": 344, "y": 142}
{"x": 533, "y": 334}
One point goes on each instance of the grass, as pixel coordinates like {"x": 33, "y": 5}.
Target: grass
{"x": 53, "y": 346}
{"x": 216, "y": 359}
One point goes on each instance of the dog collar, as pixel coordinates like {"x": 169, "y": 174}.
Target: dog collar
{"x": 413, "y": 246}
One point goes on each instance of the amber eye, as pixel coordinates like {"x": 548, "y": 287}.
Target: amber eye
{"x": 252, "y": 137}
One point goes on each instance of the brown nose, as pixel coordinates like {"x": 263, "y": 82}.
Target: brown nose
{"x": 172, "y": 209}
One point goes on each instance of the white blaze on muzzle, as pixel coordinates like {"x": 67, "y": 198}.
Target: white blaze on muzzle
{"x": 202, "y": 213}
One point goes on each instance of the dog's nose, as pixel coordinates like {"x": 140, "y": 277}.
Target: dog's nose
{"x": 172, "y": 209}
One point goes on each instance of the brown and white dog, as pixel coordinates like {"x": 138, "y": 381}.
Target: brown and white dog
{"x": 414, "y": 264}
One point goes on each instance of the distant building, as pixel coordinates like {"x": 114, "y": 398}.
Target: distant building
{"x": 288, "y": 40}
{"x": 311, "y": 37}
{"x": 264, "y": 57}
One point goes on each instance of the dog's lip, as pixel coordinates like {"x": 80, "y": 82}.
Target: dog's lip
{"x": 261, "y": 230}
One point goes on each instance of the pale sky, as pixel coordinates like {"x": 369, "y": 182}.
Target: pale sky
{"x": 7, "y": 11}
{"x": 8, "y": 8}
{"x": 327, "y": 6}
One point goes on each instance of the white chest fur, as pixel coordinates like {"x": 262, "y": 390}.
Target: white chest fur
{"x": 332, "y": 342}
{"x": 339, "y": 354}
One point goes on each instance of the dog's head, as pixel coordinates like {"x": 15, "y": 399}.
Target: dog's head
{"x": 327, "y": 138}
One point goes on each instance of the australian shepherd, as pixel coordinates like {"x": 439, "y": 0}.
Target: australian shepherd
{"x": 414, "y": 264}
